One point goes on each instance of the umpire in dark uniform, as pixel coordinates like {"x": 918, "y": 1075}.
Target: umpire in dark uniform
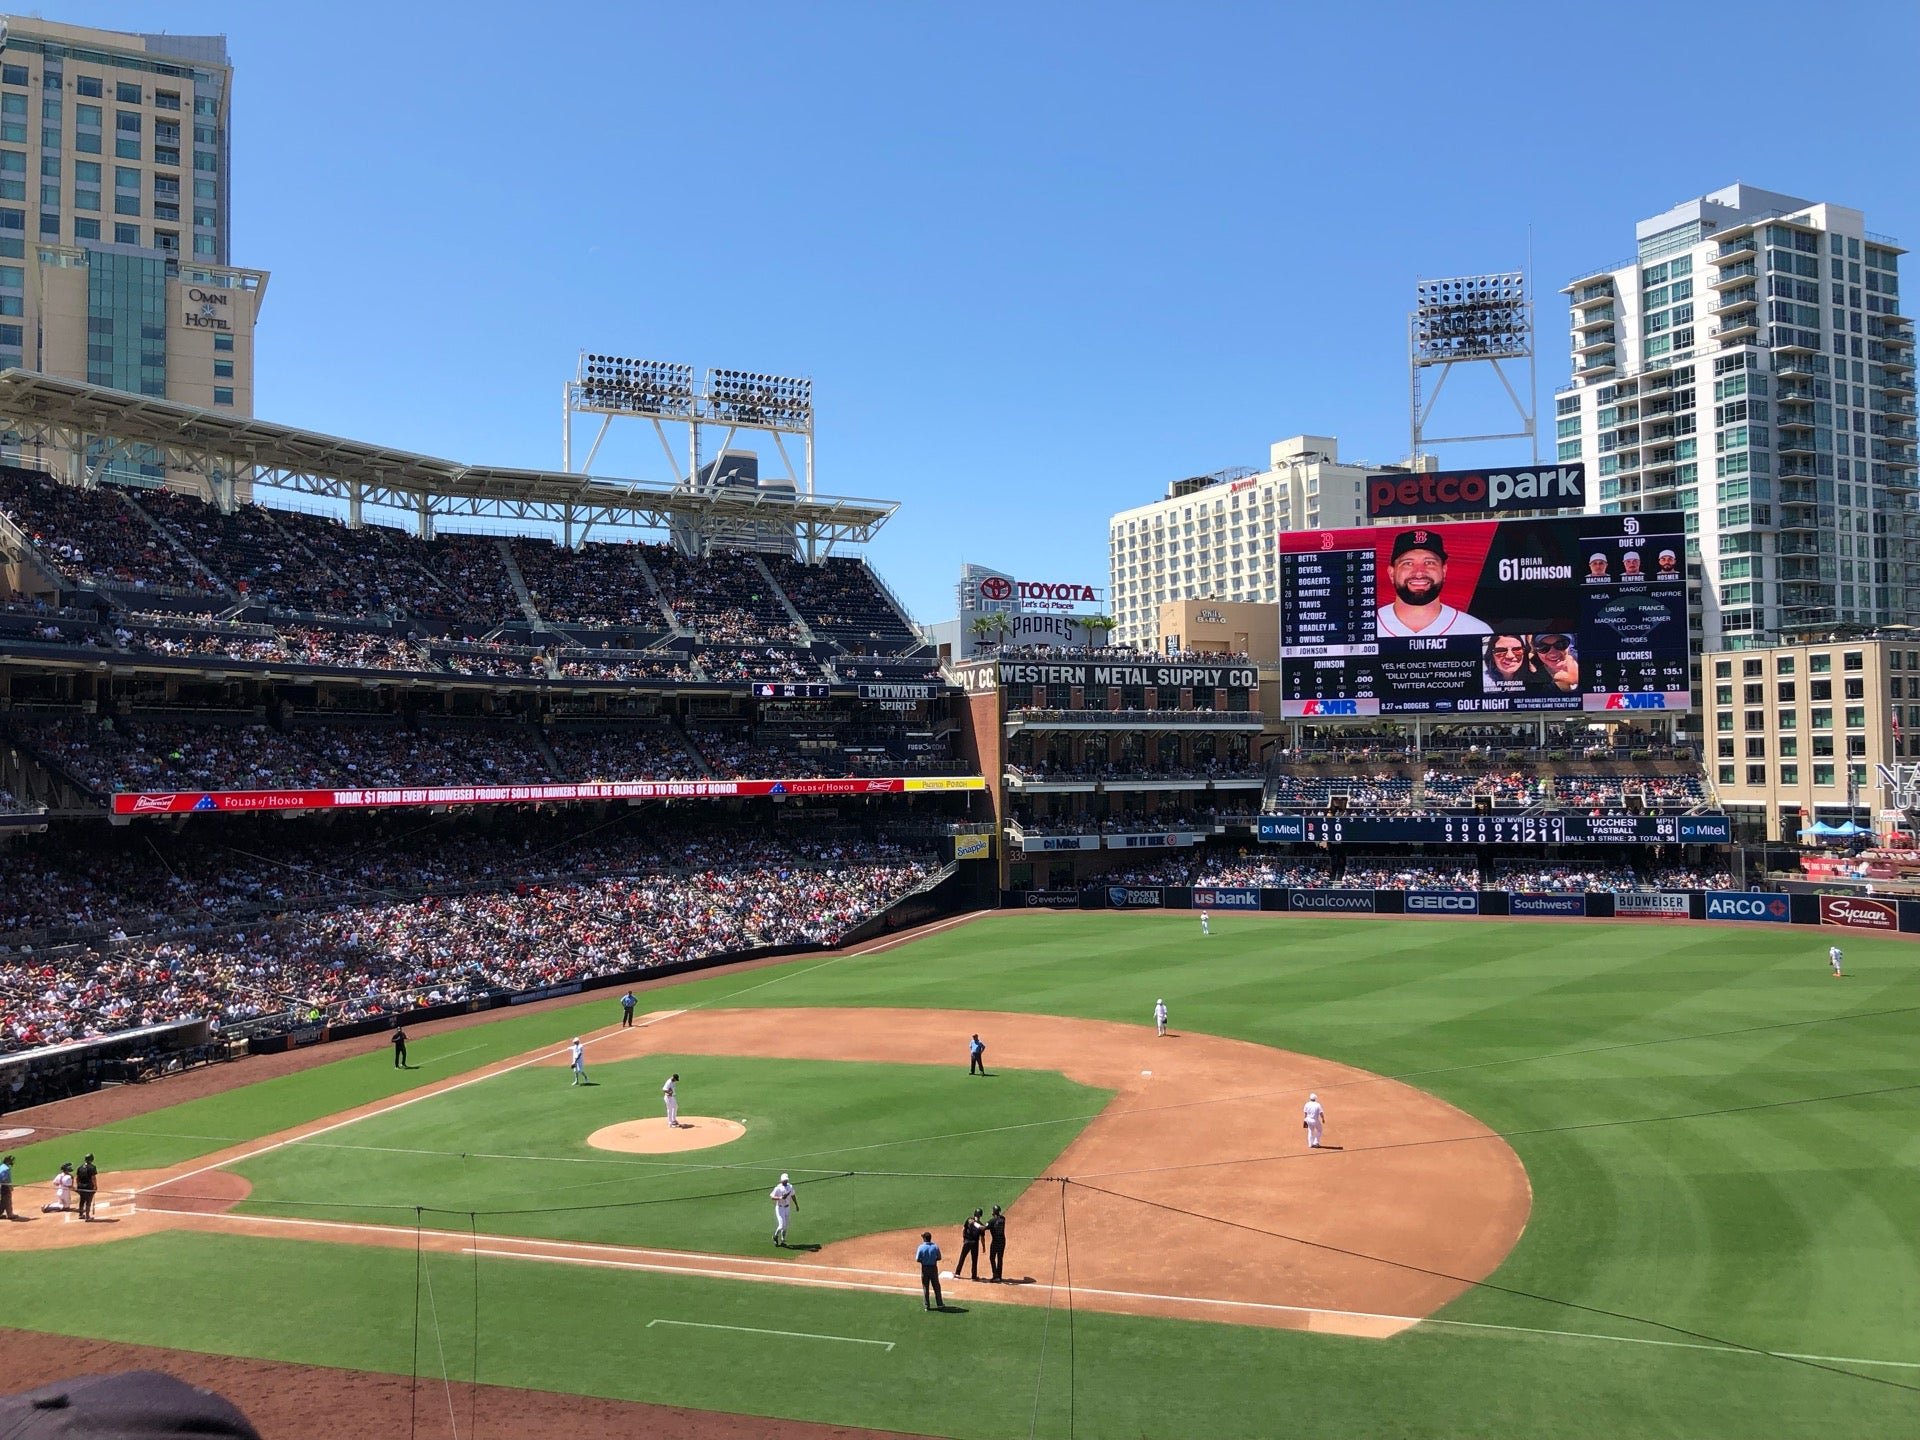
{"x": 86, "y": 1184}
{"x": 996, "y": 1240}
{"x": 399, "y": 1049}
{"x": 970, "y": 1232}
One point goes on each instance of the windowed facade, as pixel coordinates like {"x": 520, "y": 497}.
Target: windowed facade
{"x": 1848, "y": 717}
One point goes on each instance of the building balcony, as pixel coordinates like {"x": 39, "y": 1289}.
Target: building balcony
{"x": 1891, "y": 406}
{"x": 1792, "y": 338}
{"x": 1796, "y": 442}
{"x": 1795, "y": 470}
{"x": 1898, "y": 384}
{"x": 1793, "y": 365}
{"x": 1794, "y": 412}
{"x": 1594, "y": 291}
{"x": 1732, "y": 275}
{"x": 1794, "y": 390}
{"x": 1894, "y": 429}
{"x": 1742, "y": 299}
{"x": 1899, "y": 331}
{"x": 1593, "y": 319}
{"x": 1591, "y": 365}
{"x": 1897, "y": 476}
{"x": 1739, "y": 247}
{"x": 1794, "y": 494}
{"x": 1737, "y": 328}
{"x": 1117, "y": 720}
{"x": 1898, "y": 357}
{"x": 1600, "y": 340}
{"x": 1041, "y": 782}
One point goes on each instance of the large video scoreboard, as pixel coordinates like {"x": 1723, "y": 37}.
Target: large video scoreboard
{"x": 1585, "y": 613}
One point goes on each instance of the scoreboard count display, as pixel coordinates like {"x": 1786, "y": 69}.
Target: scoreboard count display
{"x": 1584, "y": 613}
{"x": 1557, "y": 828}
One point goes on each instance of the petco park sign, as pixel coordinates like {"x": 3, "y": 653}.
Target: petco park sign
{"x": 1477, "y": 492}
{"x": 1037, "y": 594}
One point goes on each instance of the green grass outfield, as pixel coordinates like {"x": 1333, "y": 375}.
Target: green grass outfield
{"x": 1722, "y": 1141}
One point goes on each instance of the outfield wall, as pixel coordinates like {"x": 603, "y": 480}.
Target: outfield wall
{"x": 1851, "y": 912}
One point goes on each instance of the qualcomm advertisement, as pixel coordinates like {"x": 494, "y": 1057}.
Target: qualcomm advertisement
{"x": 1342, "y": 900}
{"x": 1747, "y": 905}
{"x": 1231, "y": 898}
{"x": 1443, "y": 902}
{"x": 1546, "y": 905}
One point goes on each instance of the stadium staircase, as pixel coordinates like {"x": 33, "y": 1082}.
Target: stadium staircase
{"x": 674, "y": 625}
{"x": 801, "y": 628}
{"x": 174, "y": 541}
{"x": 519, "y": 583}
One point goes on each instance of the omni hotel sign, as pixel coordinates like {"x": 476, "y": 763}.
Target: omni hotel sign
{"x": 206, "y": 310}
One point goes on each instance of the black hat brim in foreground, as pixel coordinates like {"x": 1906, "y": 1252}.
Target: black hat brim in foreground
{"x": 133, "y": 1405}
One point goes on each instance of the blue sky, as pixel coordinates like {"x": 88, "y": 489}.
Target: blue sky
{"x": 1038, "y": 259}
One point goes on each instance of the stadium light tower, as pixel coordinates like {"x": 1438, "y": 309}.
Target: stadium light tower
{"x": 1471, "y": 320}
{"x": 664, "y": 392}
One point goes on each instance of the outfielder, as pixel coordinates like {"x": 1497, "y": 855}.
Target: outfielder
{"x": 1206, "y": 926}
{"x": 1833, "y": 959}
{"x": 785, "y": 1202}
{"x": 579, "y": 1062}
{"x": 671, "y": 1093}
{"x": 1313, "y": 1115}
{"x": 1160, "y": 1017}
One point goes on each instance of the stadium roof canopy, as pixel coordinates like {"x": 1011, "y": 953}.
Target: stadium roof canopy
{"x": 84, "y": 430}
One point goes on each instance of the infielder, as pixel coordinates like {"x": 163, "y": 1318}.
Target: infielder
{"x": 785, "y": 1202}
{"x": 1313, "y": 1115}
{"x": 1833, "y": 959}
{"x": 1206, "y": 926}
{"x": 1160, "y": 1017}
{"x": 579, "y": 1062}
{"x": 670, "y": 1092}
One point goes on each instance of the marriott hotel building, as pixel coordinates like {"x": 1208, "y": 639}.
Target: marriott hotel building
{"x": 116, "y": 210}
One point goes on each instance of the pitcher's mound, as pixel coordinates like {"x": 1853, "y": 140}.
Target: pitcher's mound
{"x": 652, "y": 1137}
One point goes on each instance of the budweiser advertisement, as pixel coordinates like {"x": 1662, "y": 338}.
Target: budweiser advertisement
{"x": 188, "y": 802}
{"x": 1859, "y": 913}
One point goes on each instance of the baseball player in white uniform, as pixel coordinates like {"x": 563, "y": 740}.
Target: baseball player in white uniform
{"x": 1160, "y": 1017}
{"x": 1833, "y": 959}
{"x": 579, "y": 1062}
{"x": 62, "y": 1191}
{"x": 1313, "y": 1115}
{"x": 785, "y": 1202}
{"x": 670, "y": 1092}
{"x": 1206, "y": 925}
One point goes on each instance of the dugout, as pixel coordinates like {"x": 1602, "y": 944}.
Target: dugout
{"x": 54, "y": 1072}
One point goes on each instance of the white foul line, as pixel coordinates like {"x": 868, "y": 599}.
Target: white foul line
{"x": 400, "y": 1104}
{"x": 790, "y": 1334}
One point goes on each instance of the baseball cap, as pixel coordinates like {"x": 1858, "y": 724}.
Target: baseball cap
{"x": 135, "y": 1405}
{"x": 783, "y": 1177}
{"x": 1668, "y": 555}
{"x": 1596, "y": 556}
{"x": 1417, "y": 540}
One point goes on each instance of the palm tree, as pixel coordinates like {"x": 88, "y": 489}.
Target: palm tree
{"x": 987, "y": 625}
{"x": 1101, "y": 626}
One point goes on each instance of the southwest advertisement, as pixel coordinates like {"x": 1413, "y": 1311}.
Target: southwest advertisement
{"x": 1586, "y": 613}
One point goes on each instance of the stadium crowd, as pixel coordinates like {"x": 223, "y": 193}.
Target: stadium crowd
{"x": 726, "y": 893}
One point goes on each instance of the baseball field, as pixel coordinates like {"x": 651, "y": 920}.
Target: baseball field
{"x": 1581, "y": 1179}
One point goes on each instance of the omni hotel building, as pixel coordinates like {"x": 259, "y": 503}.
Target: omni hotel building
{"x": 115, "y": 218}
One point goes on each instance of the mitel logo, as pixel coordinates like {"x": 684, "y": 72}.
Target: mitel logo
{"x": 1748, "y": 905}
{"x": 1442, "y": 902}
{"x": 1331, "y": 707}
{"x": 1858, "y": 914}
{"x": 1617, "y": 700}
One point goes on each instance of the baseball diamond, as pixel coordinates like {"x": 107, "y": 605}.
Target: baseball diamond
{"x": 1518, "y": 1116}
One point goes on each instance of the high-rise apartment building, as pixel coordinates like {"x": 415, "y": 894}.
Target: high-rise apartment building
{"x": 116, "y": 213}
{"x": 1215, "y": 537}
{"x": 1751, "y": 366}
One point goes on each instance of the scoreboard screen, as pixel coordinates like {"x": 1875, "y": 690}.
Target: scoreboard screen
{"x": 1500, "y": 617}
{"x": 789, "y": 690}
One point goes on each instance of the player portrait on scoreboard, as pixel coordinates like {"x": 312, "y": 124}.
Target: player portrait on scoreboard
{"x": 1417, "y": 575}
{"x": 1668, "y": 566}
